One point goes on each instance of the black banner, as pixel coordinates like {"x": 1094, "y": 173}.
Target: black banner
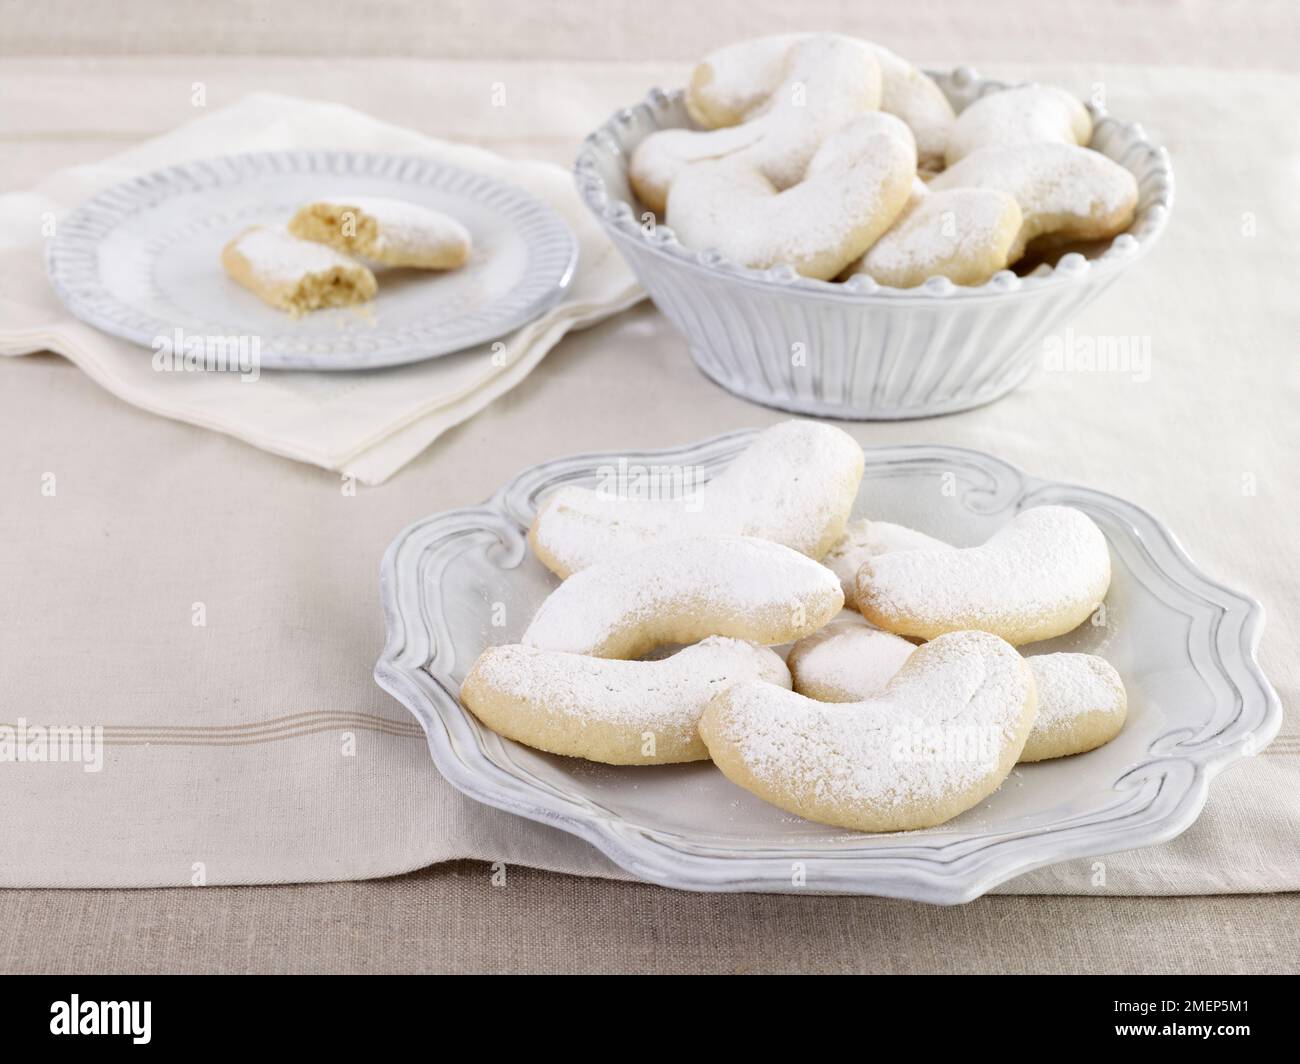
{"x": 338, "y": 1013}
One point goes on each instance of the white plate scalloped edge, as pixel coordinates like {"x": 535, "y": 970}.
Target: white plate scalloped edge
{"x": 1160, "y": 797}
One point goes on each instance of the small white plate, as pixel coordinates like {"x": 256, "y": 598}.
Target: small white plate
{"x": 1184, "y": 644}
{"x": 143, "y": 259}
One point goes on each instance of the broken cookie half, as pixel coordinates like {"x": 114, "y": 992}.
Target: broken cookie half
{"x": 295, "y": 275}
{"x": 391, "y": 232}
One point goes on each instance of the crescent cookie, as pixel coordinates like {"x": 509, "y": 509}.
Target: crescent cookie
{"x": 729, "y": 84}
{"x": 826, "y": 80}
{"x": 964, "y": 234}
{"x": 794, "y": 485}
{"x": 1081, "y": 699}
{"x": 855, "y": 186}
{"x": 1063, "y": 190}
{"x": 615, "y": 712}
{"x": 390, "y": 231}
{"x": 912, "y": 95}
{"x": 941, "y": 737}
{"x": 295, "y": 275}
{"x": 684, "y": 590}
{"x": 1026, "y": 114}
{"x": 732, "y": 82}
{"x": 865, "y": 539}
{"x": 1038, "y": 577}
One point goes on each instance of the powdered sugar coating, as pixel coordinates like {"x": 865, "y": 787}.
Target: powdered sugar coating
{"x": 794, "y": 485}
{"x": 731, "y": 82}
{"x": 846, "y": 662}
{"x": 942, "y": 736}
{"x": 1039, "y": 576}
{"x": 280, "y": 257}
{"x": 1062, "y": 189}
{"x": 658, "y": 159}
{"x": 826, "y": 80}
{"x": 854, "y": 187}
{"x": 912, "y": 95}
{"x": 1081, "y": 705}
{"x": 863, "y": 539}
{"x": 616, "y": 712}
{"x": 1026, "y": 114}
{"x": 964, "y": 234}
{"x": 683, "y": 590}
{"x": 394, "y": 232}
{"x": 409, "y": 232}
{"x": 1081, "y": 698}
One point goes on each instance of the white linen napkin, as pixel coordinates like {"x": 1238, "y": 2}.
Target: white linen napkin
{"x": 365, "y": 424}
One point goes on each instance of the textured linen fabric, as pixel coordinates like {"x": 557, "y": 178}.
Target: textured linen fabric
{"x": 152, "y": 516}
{"x": 470, "y": 917}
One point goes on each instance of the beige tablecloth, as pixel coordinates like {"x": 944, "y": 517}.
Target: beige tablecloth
{"x": 227, "y": 760}
{"x": 468, "y": 917}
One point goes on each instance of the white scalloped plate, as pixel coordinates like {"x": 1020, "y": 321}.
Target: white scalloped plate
{"x": 142, "y": 259}
{"x": 1184, "y": 644}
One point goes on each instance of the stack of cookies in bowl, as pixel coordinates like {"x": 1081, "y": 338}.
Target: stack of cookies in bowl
{"x": 836, "y": 157}
{"x": 839, "y": 233}
{"x": 900, "y": 712}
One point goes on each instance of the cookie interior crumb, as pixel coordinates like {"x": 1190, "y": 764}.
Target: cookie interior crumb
{"x": 392, "y": 232}
{"x": 295, "y": 275}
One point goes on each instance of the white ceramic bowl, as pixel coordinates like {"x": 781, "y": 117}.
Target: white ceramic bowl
{"x": 866, "y": 351}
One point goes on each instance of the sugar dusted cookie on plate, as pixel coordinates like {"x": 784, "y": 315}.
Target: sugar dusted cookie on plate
{"x": 794, "y": 485}
{"x": 1081, "y": 699}
{"x": 1038, "y": 577}
{"x": 942, "y": 737}
{"x": 295, "y": 275}
{"x": 846, "y": 661}
{"x": 684, "y": 590}
{"x": 863, "y": 539}
{"x": 616, "y": 712}
{"x": 390, "y": 231}
{"x": 1082, "y": 705}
